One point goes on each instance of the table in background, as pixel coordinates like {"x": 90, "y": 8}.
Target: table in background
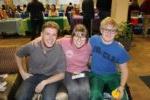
{"x": 20, "y": 26}
{"x": 61, "y": 21}
{"x": 10, "y": 26}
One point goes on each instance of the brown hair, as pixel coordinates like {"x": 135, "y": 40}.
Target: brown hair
{"x": 51, "y": 24}
{"x": 80, "y": 28}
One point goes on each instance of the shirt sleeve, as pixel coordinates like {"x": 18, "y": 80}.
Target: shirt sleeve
{"x": 123, "y": 56}
{"x": 24, "y": 50}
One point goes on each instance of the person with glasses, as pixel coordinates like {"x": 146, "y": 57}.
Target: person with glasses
{"x": 107, "y": 57}
{"x": 77, "y": 51}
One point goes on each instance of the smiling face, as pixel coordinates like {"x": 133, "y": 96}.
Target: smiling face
{"x": 108, "y": 29}
{"x": 79, "y": 36}
{"x": 79, "y": 39}
{"x": 49, "y": 36}
{"x": 108, "y": 33}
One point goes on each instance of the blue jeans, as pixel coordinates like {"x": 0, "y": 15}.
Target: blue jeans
{"x": 78, "y": 89}
{"x": 27, "y": 88}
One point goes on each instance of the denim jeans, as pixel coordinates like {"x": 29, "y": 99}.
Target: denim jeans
{"x": 78, "y": 89}
{"x": 27, "y": 88}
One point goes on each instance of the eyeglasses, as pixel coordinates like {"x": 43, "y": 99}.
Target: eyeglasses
{"x": 113, "y": 31}
{"x": 81, "y": 38}
{"x": 80, "y": 35}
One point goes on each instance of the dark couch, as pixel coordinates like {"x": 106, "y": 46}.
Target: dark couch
{"x": 8, "y": 66}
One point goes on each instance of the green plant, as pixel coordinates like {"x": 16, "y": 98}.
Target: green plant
{"x": 125, "y": 34}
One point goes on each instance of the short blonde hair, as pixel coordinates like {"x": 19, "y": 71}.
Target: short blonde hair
{"x": 51, "y": 24}
{"x": 108, "y": 21}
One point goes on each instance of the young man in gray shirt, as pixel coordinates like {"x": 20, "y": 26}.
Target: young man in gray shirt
{"x": 46, "y": 65}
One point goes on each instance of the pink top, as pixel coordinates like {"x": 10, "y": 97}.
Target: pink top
{"x": 77, "y": 59}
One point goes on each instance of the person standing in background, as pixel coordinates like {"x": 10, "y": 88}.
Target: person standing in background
{"x": 36, "y": 9}
{"x": 88, "y": 14}
{"x": 47, "y": 9}
{"x": 68, "y": 12}
{"x": 134, "y": 6}
{"x": 145, "y": 7}
{"x": 104, "y": 8}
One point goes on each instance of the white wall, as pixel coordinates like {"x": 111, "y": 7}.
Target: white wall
{"x": 119, "y": 10}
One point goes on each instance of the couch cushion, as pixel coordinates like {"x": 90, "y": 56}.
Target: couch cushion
{"x": 7, "y": 60}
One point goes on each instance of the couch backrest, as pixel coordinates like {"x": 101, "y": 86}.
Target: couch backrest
{"x": 7, "y": 60}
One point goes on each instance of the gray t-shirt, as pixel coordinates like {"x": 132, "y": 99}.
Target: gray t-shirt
{"x": 47, "y": 63}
